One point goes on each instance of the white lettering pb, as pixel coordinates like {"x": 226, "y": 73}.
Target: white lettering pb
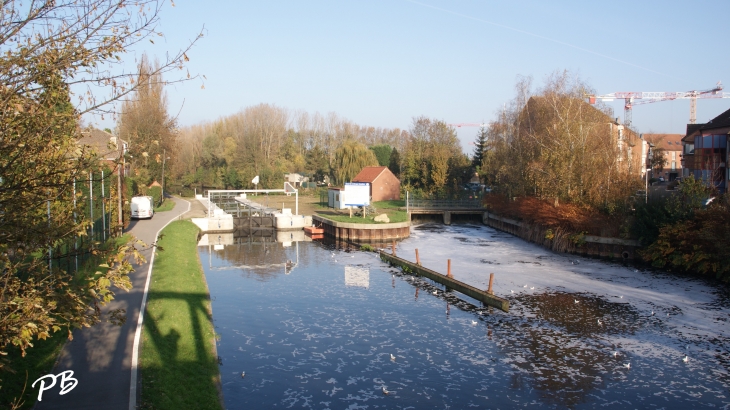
{"x": 68, "y": 382}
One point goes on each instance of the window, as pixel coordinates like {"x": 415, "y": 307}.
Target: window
{"x": 674, "y": 165}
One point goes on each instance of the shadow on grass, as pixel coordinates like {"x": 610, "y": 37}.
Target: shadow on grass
{"x": 178, "y": 368}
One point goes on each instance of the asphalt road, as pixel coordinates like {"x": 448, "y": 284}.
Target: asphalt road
{"x": 101, "y": 356}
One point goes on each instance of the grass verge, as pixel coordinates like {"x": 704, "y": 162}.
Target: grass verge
{"x": 391, "y": 208}
{"x": 40, "y": 359}
{"x": 167, "y": 205}
{"x": 178, "y": 363}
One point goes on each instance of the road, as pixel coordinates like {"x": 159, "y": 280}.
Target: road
{"x": 101, "y": 356}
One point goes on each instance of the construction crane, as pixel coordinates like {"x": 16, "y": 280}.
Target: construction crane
{"x": 632, "y": 98}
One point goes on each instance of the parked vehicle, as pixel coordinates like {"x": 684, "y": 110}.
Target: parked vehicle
{"x": 142, "y": 207}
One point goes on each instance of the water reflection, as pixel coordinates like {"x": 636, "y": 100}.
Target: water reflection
{"x": 322, "y": 336}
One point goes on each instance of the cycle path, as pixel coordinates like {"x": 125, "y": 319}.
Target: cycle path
{"x": 101, "y": 356}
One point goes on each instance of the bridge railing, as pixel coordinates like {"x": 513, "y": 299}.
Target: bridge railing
{"x": 443, "y": 203}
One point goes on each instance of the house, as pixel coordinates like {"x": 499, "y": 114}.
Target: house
{"x": 705, "y": 153}
{"x": 295, "y": 179}
{"x": 671, "y": 147}
{"x": 106, "y": 146}
{"x": 384, "y": 186}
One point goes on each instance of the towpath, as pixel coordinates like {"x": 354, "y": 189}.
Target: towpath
{"x": 101, "y": 356}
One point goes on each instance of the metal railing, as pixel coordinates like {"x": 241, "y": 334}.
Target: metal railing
{"x": 443, "y": 203}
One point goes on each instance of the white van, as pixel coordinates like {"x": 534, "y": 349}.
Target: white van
{"x": 142, "y": 207}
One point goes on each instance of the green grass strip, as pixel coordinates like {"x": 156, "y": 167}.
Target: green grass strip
{"x": 178, "y": 363}
{"x": 167, "y": 205}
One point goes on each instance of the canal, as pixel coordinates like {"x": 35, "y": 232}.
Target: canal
{"x": 322, "y": 327}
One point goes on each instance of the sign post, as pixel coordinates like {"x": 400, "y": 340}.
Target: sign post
{"x": 357, "y": 194}
{"x": 255, "y": 182}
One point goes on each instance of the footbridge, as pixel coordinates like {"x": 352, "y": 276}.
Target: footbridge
{"x": 446, "y": 207}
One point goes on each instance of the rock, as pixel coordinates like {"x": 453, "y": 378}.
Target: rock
{"x": 381, "y": 218}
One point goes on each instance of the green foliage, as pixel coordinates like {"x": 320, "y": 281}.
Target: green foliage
{"x": 700, "y": 244}
{"x": 652, "y": 216}
{"x": 480, "y": 146}
{"x": 382, "y": 153}
{"x": 394, "y": 163}
{"x": 350, "y": 158}
{"x": 156, "y": 193}
{"x": 367, "y": 248}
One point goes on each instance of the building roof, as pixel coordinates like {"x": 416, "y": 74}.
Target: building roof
{"x": 721, "y": 121}
{"x": 369, "y": 174}
{"x": 103, "y": 143}
{"x": 668, "y": 142}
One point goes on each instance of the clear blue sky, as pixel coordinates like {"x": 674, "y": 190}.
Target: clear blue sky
{"x": 383, "y": 62}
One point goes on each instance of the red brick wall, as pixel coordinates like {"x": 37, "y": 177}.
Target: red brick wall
{"x": 385, "y": 188}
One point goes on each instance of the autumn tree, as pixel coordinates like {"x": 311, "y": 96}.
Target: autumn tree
{"x": 145, "y": 124}
{"x": 428, "y": 155}
{"x": 553, "y": 145}
{"x": 48, "y": 49}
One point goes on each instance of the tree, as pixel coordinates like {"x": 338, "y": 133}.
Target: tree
{"x": 658, "y": 160}
{"x": 145, "y": 123}
{"x": 49, "y": 48}
{"x": 480, "y": 145}
{"x": 382, "y": 153}
{"x": 394, "y": 162}
{"x": 350, "y": 158}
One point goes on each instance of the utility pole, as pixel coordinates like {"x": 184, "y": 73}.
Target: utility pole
{"x": 164, "y": 157}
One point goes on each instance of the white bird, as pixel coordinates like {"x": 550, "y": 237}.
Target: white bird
{"x": 615, "y": 354}
{"x": 392, "y": 357}
{"x": 473, "y": 322}
{"x": 686, "y": 359}
{"x": 575, "y": 301}
{"x": 599, "y": 322}
{"x": 243, "y": 374}
{"x": 385, "y": 391}
{"x": 620, "y": 297}
{"x": 627, "y": 365}
{"x": 435, "y": 292}
{"x": 525, "y": 286}
{"x": 512, "y": 291}
{"x": 652, "y": 313}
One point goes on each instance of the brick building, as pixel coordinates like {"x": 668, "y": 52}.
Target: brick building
{"x": 671, "y": 147}
{"x": 705, "y": 153}
{"x": 384, "y": 186}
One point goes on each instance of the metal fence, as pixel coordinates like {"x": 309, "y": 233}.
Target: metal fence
{"x": 443, "y": 203}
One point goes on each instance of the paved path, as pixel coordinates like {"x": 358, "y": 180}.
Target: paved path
{"x": 101, "y": 356}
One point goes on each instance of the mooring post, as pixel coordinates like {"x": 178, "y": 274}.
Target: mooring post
{"x": 491, "y": 279}
{"x": 418, "y": 260}
{"x": 448, "y": 269}
{"x": 393, "y": 247}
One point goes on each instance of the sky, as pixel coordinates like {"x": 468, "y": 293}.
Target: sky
{"x": 381, "y": 63}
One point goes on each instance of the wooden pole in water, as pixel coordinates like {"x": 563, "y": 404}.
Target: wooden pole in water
{"x": 491, "y": 279}
{"x": 393, "y": 248}
{"x": 448, "y": 270}
{"x": 418, "y": 260}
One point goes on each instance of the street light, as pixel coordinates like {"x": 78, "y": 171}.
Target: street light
{"x": 649, "y": 157}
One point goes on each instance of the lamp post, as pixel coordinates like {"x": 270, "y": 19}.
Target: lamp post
{"x": 649, "y": 157}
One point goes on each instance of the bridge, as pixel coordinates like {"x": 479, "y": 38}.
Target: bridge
{"x": 446, "y": 207}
